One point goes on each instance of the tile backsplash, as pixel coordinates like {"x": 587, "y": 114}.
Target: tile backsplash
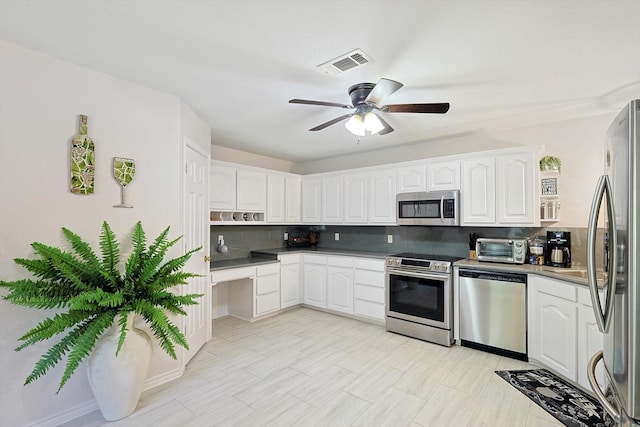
{"x": 451, "y": 241}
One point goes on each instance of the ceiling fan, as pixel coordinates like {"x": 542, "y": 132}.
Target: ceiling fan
{"x": 366, "y": 99}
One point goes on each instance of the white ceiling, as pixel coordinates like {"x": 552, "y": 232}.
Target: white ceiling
{"x": 237, "y": 63}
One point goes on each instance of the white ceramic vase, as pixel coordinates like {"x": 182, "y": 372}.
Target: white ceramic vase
{"x": 117, "y": 382}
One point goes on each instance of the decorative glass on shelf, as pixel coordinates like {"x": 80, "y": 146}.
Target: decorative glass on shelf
{"x": 236, "y": 217}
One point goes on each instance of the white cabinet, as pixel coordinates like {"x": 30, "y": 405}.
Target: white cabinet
{"x": 267, "y": 289}
{"x": 332, "y": 199}
{"x": 312, "y": 200}
{"x": 275, "y": 198}
{"x": 315, "y": 280}
{"x": 500, "y": 189}
{"x": 368, "y": 288}
{"x": 590, "y": 339}
{"x": 222, "y": 187}
{"x": 292, "y": 188}
{"x": 290, "y": 280}
{"x": 516, "y": 195}
{"x": 444, "y": 175}
{"x": 340, "y": 284}
{"x": 478, "y": 191}
{"x": 251, "y": 190}
{"x": 355, "y": 198}
{"x": 552, "y": 322}
{"x": 382, "y": 196}
{"x": 411, "y": 178}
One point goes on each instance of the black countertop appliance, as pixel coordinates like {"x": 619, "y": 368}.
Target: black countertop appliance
{"x": 558, "y": 249}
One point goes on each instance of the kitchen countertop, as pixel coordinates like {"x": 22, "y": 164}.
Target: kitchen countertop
{"x": 346, "y": 252}
{"x": 240, "y": 262}
{"x": 564, "y": 274}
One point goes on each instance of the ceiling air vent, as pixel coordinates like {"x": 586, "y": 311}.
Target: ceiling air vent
{"x": 346, "y": 62}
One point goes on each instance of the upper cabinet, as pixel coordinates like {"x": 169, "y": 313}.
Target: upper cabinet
{"x": 411, "y": 178}
{"x": 251, "y": 190}
{"x": 332, "y": 199}
{"x": 382, "y": 196}
{"x": 312, "y": 200}
{"x": 283, "y": 198}
{"x": 443, "y": 175}
{"x": 223, "y": 187}
{"x": 355, "y": 198}
{"x": 500, "y": 189}
{"x": 292, "y": 199}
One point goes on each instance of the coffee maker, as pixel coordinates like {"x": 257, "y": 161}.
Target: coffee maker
{"x": 558, "y": 249}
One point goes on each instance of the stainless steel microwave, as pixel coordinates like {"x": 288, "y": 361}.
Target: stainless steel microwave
{"x": 428, "y": 208}
{"x": 510, "y": 251}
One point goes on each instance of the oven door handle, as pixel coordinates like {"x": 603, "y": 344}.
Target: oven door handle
{"x": 405, "y": 273}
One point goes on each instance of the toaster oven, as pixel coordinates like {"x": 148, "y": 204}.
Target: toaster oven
{"x": 510, "y": 251}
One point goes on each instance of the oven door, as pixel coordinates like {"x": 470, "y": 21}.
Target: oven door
{"x": 419, "y": 297}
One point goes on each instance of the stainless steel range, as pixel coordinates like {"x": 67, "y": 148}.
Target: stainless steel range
{"x": 419, "y": 296}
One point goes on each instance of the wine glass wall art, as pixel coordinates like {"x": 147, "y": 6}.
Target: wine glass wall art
{"x": 123, "y": 171}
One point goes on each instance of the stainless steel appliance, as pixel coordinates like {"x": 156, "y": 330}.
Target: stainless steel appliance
{"x": 558, "y": 249}
{"x": 510, "y": 251}
{"x": 618, "y": 315}
{"x": 428, "y": 208}
{"x": 493, "y": 312}
{"x": 419, "y": 296}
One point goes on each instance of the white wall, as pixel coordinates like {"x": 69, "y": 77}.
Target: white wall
{"x": 40, "y": 100}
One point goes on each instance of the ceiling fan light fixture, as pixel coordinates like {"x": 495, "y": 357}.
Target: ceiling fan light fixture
{"x": 372, "y": 123}
{"x": 356, "y": 125}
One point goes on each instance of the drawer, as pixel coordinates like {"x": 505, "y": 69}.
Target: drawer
{"x": 368, "y": 293}
{"x": 263, "y": 270}
{"x": 232, "y": 274}
{"x": 556, "y": 288}
{"x": 267, "y": 302}
{"x": 290, "y": 259}
{"x": 266, "y": 284}
{"x": 369, "y": 277}
{"x": 369, "y": 264}
{"x": 315, "y": 259}
{"x": 369, "y": 309}
{"x": 340, "y": 261}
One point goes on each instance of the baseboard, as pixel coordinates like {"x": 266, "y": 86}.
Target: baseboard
{"x": 165, "y": 377}
{"x": 66, "y": 415}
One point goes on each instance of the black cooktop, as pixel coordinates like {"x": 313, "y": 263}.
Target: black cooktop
{"x": 430, "y": 257}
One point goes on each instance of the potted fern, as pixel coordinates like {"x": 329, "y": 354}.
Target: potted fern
{"x": 99, "y": 303}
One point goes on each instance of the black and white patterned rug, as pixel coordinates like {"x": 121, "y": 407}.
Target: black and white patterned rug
{"x": 568, "y": 404}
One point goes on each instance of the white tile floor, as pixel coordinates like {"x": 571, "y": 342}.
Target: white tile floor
{"x": 308, "y": 368}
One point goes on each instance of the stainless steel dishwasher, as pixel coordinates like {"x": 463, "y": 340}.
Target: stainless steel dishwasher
{"x": 493, "y": 312}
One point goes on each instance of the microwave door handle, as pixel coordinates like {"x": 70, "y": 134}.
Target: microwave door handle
{"x": 442, "y": 208}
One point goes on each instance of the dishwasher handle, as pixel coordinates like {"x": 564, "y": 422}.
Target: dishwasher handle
{"x": 495, "y": 276}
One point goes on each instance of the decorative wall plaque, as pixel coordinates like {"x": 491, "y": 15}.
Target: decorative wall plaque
{"x": 82, "y": 161}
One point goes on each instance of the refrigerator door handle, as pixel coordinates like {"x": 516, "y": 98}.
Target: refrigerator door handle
{"x": 591, "y": 373}
{"x": 603, "y": 316}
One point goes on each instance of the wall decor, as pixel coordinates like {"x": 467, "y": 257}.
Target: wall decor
{"x": 82, "y": 161}
{"x": 123, "y": 172}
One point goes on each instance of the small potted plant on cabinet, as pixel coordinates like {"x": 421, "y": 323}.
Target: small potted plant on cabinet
{"x": 100, "y": 303}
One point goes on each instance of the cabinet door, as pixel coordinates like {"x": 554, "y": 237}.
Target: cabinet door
{"x": 556, "y": 333}
{"x": 382, "y": 197}
{"x": 315, "y": 285}
{"x": 223, "y": 188}
{"x": 411, "y": 178}
{"x": 251, "y": 189}
{"x": 332, "y": 199}
{"x": 312, "y": 200}
{"x": 443, "y": 176}
{"x": 355, "y": 198}
{"x": 290, "y": 285}
{"x": 340, "y": 289}
{"x": 590, "y": 339}
{"x": 275, "y": 198}
{"x": 478, "y": 191}
{"x": 516, "y": 195}
{"x": 292, "y": 199}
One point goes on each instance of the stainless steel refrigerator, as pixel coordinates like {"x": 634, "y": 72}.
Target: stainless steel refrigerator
{"x": 618, "y": 312}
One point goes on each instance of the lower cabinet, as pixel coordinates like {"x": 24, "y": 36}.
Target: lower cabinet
{"x": 368, "y": 288}
{"x": 340, "y": 284}
{"x": 561, "y": 327}
{"x": 267, "y": 289}
{"x": 290, "y": 280}
{"x": 315, "y": 280}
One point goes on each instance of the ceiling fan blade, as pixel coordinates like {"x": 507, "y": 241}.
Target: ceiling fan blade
{"x": 331, "y": 122}
{"x": 416, "y": 108}
{"x": 383, "y": 88}
{"x": 387, "y": 128}
{"x": 323, "y": 103}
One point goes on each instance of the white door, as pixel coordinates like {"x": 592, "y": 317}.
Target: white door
{"x": 196, "y": 234}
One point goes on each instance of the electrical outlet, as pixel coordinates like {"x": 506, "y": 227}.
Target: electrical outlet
{"x": 389, "y": 238}
{"x": 220, "y": 238}
{"x": 336, "y": 236}
{"x": 286, "y": 236}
